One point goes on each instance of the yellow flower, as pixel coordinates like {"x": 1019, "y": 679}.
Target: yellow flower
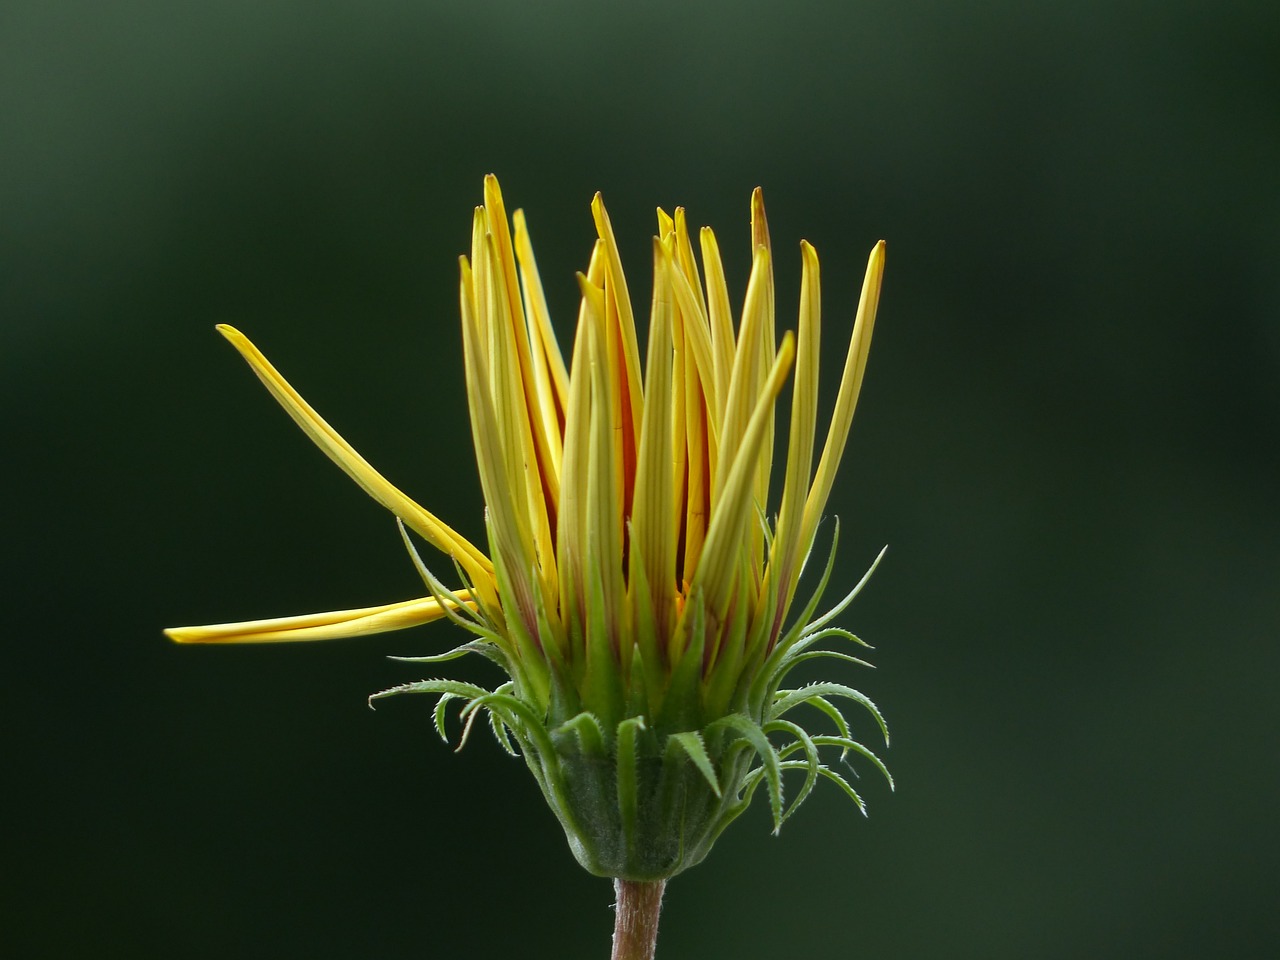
{"x": 634, "y": 590}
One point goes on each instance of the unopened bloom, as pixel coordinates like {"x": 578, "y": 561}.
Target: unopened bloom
{"x": 639, "y": 583}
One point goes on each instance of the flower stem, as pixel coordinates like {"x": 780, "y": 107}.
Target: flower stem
{"x": 635, "y": 929}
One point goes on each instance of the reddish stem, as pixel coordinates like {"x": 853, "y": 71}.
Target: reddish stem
{"x": 635, "y": 928}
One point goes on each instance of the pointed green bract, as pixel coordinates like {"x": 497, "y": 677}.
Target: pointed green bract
{"x": 754, "y": 737}
{"x": 802, "y": 742}
{"x": 691, "y": 743}
{"x": 790, "y": 699}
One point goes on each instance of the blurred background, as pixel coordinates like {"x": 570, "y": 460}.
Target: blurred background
{"x": 1070, "y": 438}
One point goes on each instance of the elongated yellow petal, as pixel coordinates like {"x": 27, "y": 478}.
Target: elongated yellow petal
{"x": 721, "y": 316}
{"x": 684, "y": 257}
{"x": 529, "y": 484}
{"x": 504, "y": 260}
{"x": 481, "y": 309}
{"x": 765, "y": 349}
{"x": 532, "y": 430}
{"x": 623, "y": 337}
{"x": 850, "y": 385}
{"x": 696, "y": 433}
{"x": 697, "y": 463}
{"x": 788, "y": 549}
{"x": 333, "y": 625}
{"x": 696, "y": 330}
{"x": 550, "y": 374}
{"x": 730, "y": 518}
{"x": 666, "y": 226}
{"x": 502, "y": 494}
{"x": 603, "y": 514}
{"x": 743, "y": 389}
{"x": 436, "y": 532}
{"x": 571, "y": 533}
{"x": 653, "y": 517}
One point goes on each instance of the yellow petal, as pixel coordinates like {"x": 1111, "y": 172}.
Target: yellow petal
{"x": 604, "y": 516}
{"x": 666, "y": 225}
{"x": 509, "y": 531}
{"x": 653, "y": 518}
{"x": 720, "y": 315}
{"x": 551, "y": 377}
{"x": 765, "y": 351}
{"x": 618, "y": 314}
{"x": 697, "y": 330}
{"x": 521, "y": 383}
{"x": 436, "y": 532}
{"x": 850, "y": 385}
{"x": 788, "y": 550}
{"x": 333, "y": 625}
{"x": 684, "y": 256}
{"x": 744, "y": 380}
{"x": 731, "y": 521}
{"x": 571, "y": 532}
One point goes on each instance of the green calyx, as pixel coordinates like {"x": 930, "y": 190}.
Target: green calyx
{"x": 644, "y": 797}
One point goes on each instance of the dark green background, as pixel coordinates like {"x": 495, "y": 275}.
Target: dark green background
{"x": 1070, "y": 437}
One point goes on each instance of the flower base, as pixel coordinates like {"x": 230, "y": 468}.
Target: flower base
{"x": 649, "y": 825}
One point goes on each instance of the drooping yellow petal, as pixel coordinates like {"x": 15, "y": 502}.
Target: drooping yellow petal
{"x": 333, "y": 625}
{"x": 850, "y": 385}
{"x": 435, "y": 531}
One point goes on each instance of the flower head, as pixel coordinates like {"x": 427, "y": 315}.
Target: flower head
{"x": 637, "y": 591}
